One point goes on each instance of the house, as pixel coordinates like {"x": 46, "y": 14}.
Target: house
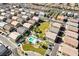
{"x": 2, "y": 10}
{"x": 14, "y": 36}
{"x": 73, "y": 24}
{"x": 60, "y": 17}
{"x": 23, "y": 13}
{"x": 3, "y": 13}
{"x": 22, "y": 30}
{"x": 31, "y": 21}
{"x": 25, "y": 17}
{"x": 8, "y": 27}
{"x": 71, "y": 34}
{"x": 76, "y": 15}
{"x": 4, "y": 51}
{"x": 15, "y": 23}
{"x": 14, "y": 17}
{"x": 41, "y": 13}
{"x": 29, "y": 15}
{"x": 12, "y": 13}
{"x": 72, "y": 28}
{"x": 20, "y": 9}
{"x": 58, "y": 25}
{"x": 12, "y": 10}
{"x": 36, "y": 18}
{"x": 54, "y": 29}
{"x": 21, "y": 21}
{"x": 70, "y": 41}
{"x": 1, "y": 18}
{"x": 70, "y": 14}
{"x": 50, "y": 35}
{"x": 32, "y": 12}
{"x": 2, "y": 24}
{"x": 74, "y": 20}
{"x": 67, "y": 50}
{"x": 8, "y": 15}
{"x": 27, "y": 25}
{"x": 9, "y": 20}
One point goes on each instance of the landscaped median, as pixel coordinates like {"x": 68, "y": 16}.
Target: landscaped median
{"x": 29, "y": 47}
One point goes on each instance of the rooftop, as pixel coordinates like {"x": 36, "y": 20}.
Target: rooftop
{"x": 68, "y": 50}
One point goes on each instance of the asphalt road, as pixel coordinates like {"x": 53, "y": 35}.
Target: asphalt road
{"x": 9, "y": 43}
{"x": 55, "y": 49}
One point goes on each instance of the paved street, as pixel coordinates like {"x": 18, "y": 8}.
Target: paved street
{"x": 55, "y": 49}
{"x": 7, "y": 42}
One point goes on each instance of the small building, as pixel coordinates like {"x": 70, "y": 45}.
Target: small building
{"x": 20, "y": 9}
{"x": 60, "y": 17}
{"x": 14, "y": 18}
{"x": 73, "y": 24}
{"x": 68, "y": 50}
{"x": 29, "y": 15}
{"x": 31, "y": 21}
{"x": 22, "y": 30}
{"x": 27, "y": 25}
{"x": 54, "y": 29}
{"x": 9, "y": 20}
{"x": 58, "y": 25}
{"x": 74, "y": 20}
{"x": 3, "y": 13}
{"x": 15, "y": 36}
{"x": 15, "y": 23}
{"x": 25, "y": 17}
{"x": 72, "y": 28}
{"x": 23, "y": 13}
{"x": 2, "y": 18}
{"x": 2, "y": 24}
{"x": 50, "y": 35}
{"x": 4, "y": 51}
{"x": 21, "y": 21}
{"x": 12, "y": 13}
{"x": 8, "y": 27}
{"x": 36, "y": 18}
{"x": 71, "y": 34}
{"x": 32, "y": 12}
{"x": 2, "y": 10}
{"x": 70, "y": 41}
{"x": 76, "y": 15}
{"x": 41, "y": 13}
{"x": 8, "y": 15}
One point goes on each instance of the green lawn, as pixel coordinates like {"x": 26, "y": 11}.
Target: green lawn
{"x": 29, "y": 47}
{"x": 41, "y": 29}
{"x": 43, "y": 26}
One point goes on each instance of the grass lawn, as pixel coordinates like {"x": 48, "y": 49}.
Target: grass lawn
{"x": 41, "y": 29}
{"x": 43, "y": 26}
{"x": 29, "y": 47}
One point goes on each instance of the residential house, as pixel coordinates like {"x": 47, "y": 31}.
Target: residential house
{"x": 67, "y": 50}
{"x": 8, "y": 27}
{"x": 22, "y": 30}
{"x": 70, "y": 41}
{"x": 2, "y": 24}
{"x": 50, "y": 35}
{"x": 36, "y": 18}
{"x": 71, "y": 34}
{"x": 15, "y": 36}
{"x": 27, "y": 25}
{"x": 15, "y": 23}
